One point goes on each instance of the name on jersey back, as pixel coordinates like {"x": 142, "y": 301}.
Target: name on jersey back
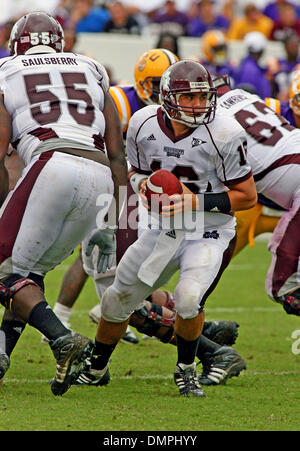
{"x": 36, "y": 61}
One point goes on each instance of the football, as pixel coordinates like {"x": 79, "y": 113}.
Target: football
{"x": 160, "y": 185}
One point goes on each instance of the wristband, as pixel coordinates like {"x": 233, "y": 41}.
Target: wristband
{"x": 135, "y": 180}
{"x": 217, "y": 202}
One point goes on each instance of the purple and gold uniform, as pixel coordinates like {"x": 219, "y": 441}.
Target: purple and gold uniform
{"x": 126, "y": 101}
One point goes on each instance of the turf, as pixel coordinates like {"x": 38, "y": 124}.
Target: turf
{"x": 142, "y": 395}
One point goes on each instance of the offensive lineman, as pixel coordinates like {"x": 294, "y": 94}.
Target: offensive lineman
{"x": 274, "y": 156}
{"x": 56, "y": 110}
{"x": 205, "y": 151}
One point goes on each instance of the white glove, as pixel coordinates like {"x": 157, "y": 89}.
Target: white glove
{"x": 106, "y": 241}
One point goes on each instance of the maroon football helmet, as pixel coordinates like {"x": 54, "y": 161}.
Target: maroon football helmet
{"x": 187, "y": 76}
{"x": 37, "y": 31}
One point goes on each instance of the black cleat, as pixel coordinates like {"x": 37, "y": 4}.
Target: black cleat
{"x": 98, "y": 378}
{"x": 187, "y": 381}
{"x": 71, "y": 352}
{"x": 221, "y": 332}
{"x": 129, "y": 337}
{"x": 4, "y": 364}
{"x": 220, "y": 366}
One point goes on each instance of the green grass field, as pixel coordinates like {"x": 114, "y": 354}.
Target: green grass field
{"x": 142, "y": 395}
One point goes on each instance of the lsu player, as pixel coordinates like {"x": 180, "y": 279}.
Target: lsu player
{"x": 214, "y": 48}
{"x": 273, "y": 153}
{"x": 290, "y": 109}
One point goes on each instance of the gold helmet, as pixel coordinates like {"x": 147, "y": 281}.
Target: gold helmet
{"x": 294, "y": 94}
{"x": 148, "y": 71}
{"x": 214, "y": 47}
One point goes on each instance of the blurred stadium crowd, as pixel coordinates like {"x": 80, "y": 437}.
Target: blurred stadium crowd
{"x": 215, "y": 22}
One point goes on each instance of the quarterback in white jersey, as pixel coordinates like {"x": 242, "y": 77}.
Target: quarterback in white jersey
{"x": 56, "y": 111}
{"x": 183, "y": 136}
{"x": 273, "y": 151}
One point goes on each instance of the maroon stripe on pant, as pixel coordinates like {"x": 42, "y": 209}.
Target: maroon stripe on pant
{"x": 12, "y": 216}
{"x": 287, "y": 255}
{"x": 127, "y": 235}
{"x": 225, "y": 262}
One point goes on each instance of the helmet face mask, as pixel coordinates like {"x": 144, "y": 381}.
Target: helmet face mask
{"x": 185, "y": 78}
{"x": 214, "y": 47}
{"x": 150, "y": 87}
{"x": 148, "y": 71}
{"x": 36, "y": 32}
{"x": 220, "y": 54}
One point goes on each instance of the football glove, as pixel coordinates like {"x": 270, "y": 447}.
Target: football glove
{"x": 106, "y": 241}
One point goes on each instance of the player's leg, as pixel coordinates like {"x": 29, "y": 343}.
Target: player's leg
{"x": 72, "y": 284}
{"x": 283, "y": 278}
{"x": 202, "y": 264}
{"x": 120, "y": 300}
{"x": 36, "y": 244}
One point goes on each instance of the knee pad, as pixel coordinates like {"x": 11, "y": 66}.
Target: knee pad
{"x": 12, "y": 284}
{"x": 114, "y": 306}
{"x": 154, "y": 322}
{"x": 188, "y": 295}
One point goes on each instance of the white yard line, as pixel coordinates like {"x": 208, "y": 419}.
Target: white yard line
{"x": 156, "y": 376}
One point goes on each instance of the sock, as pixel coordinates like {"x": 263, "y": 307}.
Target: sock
{"x": 44, "y": 319}
{"x": 206, "y": 345}
{"x": 101, "y": 355}
{"x": 62, "y": 312}
{"x": 10, "y": 331}
{"x": 186, "y": 350}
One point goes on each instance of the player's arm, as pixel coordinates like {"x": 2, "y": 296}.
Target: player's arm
{"x": 243, "y": 195}
{"x": 5, "y": 137}
{"x": 139, "y": 170}
{"x": 240, "y": 196}
{"x": 115, "y": 150}
{"x": 105, "y": 238}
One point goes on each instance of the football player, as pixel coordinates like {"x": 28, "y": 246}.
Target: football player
{"x": 127, "y": 99}
{"x": 157, "y": 316}
{"x": 205, "y": 150}
{"x": 56, "y": 110}
{"x": 289, "y": 109}
{"x": 214, "y": 48}
{"x": 274, "y": 156}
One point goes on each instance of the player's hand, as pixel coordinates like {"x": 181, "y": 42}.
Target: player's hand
{"x": 142, "y": 194}
{"x": 180, "y": 203}
{"x": 106, "y": 241}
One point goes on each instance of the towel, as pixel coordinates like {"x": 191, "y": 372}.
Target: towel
{"x": 166, "y": 246}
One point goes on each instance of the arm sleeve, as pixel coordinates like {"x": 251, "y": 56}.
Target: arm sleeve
{"x": 231, "y": 160}
{"x": 134, "y": 147}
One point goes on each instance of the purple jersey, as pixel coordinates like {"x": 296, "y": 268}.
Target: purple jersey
{"x": 126, "y": 101}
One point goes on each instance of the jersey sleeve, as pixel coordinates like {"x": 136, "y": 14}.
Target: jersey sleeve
{"x": 122, "y": 105}
{"x": 103, "y": 75}
{"x": 231, "y": 161}
{"x": 134, "y": 147}
{"x": 274, "y": 104}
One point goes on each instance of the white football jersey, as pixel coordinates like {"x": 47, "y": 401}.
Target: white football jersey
{"x": 54, "y": 95}
{"x": 273, "y": 145}
{"x": 208, "y": 159}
